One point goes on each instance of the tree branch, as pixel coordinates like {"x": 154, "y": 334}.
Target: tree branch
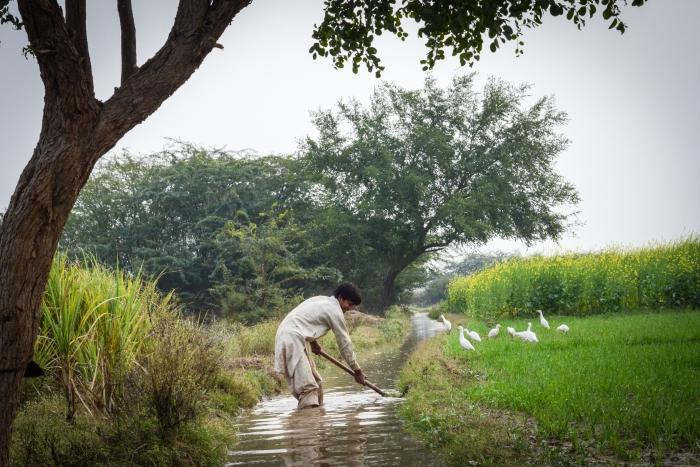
{"x": 128, "y": 29}
{"x": 430, "y": 248}
{"x": 67, "y": 82}
{"x": 198, "y": 25}
{"x": 75, "y": 21}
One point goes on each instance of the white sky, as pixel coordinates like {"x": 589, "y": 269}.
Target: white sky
{"x": 632, "y": 101}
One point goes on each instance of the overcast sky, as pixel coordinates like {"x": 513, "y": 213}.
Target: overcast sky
{"x": 633, "y": 102}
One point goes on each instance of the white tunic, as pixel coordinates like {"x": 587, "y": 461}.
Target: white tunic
{"x": 309, "y": 321}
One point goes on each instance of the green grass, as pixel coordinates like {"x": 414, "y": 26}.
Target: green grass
{"x": 624, "y": 383}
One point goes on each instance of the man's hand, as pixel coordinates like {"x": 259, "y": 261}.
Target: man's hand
{"x": 360, "y": 376}
{"x": 315, "y": 347}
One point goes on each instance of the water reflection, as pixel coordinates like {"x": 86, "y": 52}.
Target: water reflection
{"x": 354, "y": 426}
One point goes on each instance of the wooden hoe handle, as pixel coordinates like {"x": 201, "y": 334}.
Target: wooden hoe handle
{"x": 348, "y": 370}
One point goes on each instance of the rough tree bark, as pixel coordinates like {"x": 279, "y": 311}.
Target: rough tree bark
{"x": 77, "y": 129}
{"x": 387, "y": 295}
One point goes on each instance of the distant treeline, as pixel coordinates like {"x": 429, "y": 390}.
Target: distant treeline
{"x": 231, "y": 234}
{"x": 665, "y": 276}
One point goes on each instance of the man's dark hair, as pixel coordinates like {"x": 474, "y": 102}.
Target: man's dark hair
{"x": 348, "y": 291}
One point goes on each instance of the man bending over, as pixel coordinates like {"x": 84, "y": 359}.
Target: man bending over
{"x": 307, "y": 322}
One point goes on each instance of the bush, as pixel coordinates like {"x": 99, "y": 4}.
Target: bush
{"x": 395, "y": 326}
{"x": 42, "y": 436}
{"x": 182, "y": 365}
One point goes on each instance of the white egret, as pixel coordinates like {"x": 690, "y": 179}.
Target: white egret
{"x": 511, "y": 331}
{"x": 494, "y": 332}
{"x": 473, "y": 334}
{"x": 563, "y": 328}
{"x": 447, "y": 324}
{"x": 466, "y": 345}
{"x": 543, "y": 322}
{"x": 527, "y": 335}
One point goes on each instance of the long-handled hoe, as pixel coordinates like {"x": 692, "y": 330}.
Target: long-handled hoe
{"x": 387, "y": 393}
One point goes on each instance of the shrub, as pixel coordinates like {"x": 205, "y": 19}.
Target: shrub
{"x": 395, "y": 326}
{"x": 42, "y": 436}
{"x": 182, "y": 363}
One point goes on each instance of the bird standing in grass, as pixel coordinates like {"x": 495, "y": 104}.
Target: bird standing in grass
{"x": 447, "y": 324}
{"x": 527, "y": 335}
{"x": 511, "y": 331}
{"x": 563, "y": 328}
{"x": 474, "y": 335}
{"x": 543, "y": 322}
{"x": 494, "y": 332}
{"x": 466, "y": 345}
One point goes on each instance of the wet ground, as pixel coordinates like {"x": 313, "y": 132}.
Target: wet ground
{"x": 355, "y": 426}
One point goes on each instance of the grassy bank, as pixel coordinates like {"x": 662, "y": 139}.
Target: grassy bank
{"x": 616, "y": 388}
{"x": 662, "y": 277}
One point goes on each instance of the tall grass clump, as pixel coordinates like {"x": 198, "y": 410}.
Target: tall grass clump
{"x": 665, "y": 276}
{"x": 93, "y": 324}
{"x": 182, "y": 363}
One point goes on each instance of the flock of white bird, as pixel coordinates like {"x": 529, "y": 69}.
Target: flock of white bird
{"x": 527, "y": 335}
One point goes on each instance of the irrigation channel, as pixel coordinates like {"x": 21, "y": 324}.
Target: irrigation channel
{"x": 354, "y": 426}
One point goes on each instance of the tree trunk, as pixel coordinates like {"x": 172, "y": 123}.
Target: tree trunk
{"x": 76, "y": 131}
{"x": 31, "y": 228}
{"x": 387, "y": 296}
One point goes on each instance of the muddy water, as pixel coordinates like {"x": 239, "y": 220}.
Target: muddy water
{"x": 353, "y": 427}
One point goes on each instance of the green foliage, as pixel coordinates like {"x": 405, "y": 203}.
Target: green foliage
{"x": 42, "y": 436}
{"x": 395, "y": 326}
{"x": 348, "y": 29}
{"x": 268, "y": 270}
{"x": 420, "y": 170}
{"x": 182, "y": 363}
{"x": 7, "y": 17}
{"x": 611, "y": 281}
{"x": 249, "y": 341}
{"x": 438, "y": 309}
{"x": 216, "y": 227}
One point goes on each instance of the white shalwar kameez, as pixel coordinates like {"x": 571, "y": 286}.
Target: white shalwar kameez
{"x": 309, "y": 321}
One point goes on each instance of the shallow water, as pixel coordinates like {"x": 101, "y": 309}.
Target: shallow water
{"x": 355, "y": 426}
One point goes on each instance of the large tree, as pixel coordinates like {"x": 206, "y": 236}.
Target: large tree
{"x": 77, "y": 128}
{"x": 419, "y": 171}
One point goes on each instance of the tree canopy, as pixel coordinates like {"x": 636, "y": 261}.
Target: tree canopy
{"x": 419, "y": 170}
{"x": 349, "y": 29}
{"x": 214, "y": 226}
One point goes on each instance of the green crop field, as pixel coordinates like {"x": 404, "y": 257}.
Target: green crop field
{"x": 626, "y": 384}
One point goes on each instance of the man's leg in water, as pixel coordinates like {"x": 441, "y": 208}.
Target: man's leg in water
{"x": 305, "y": 385}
